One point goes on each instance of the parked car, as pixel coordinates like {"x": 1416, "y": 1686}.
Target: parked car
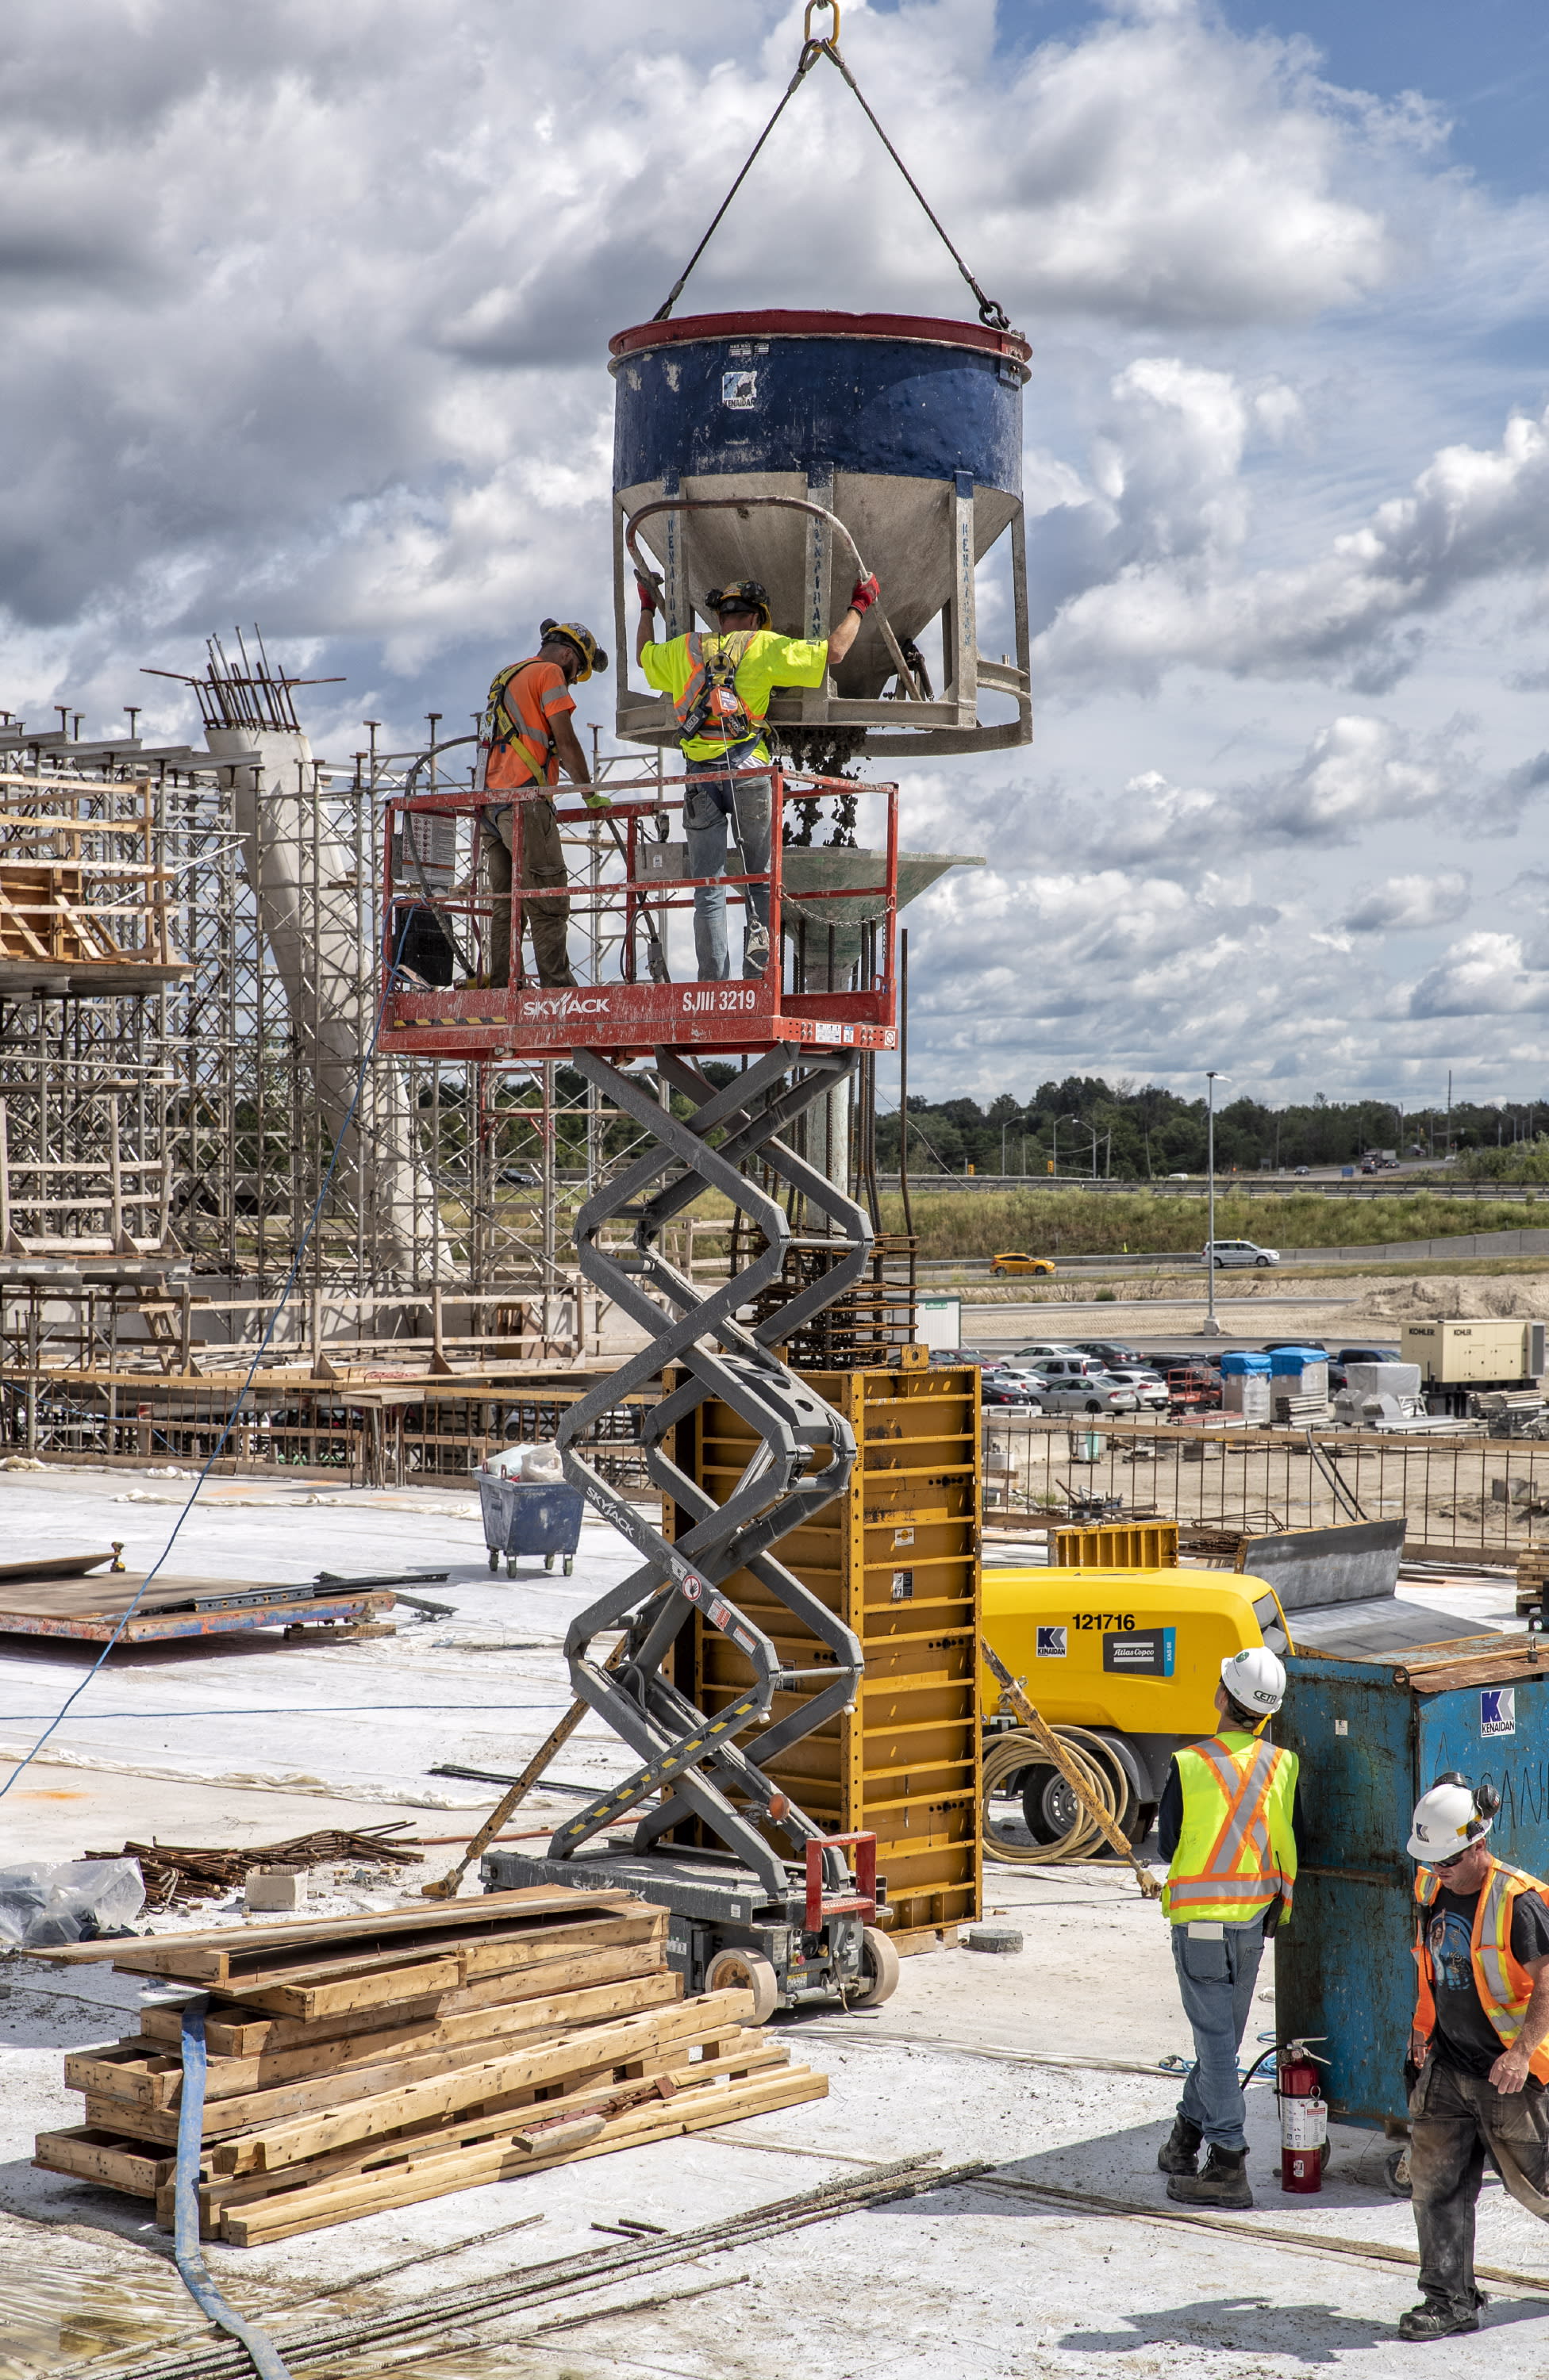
{"x": 1107, "y": 1351}
{"x": 1089, "y": 1392}
{"x": 516, "y": 1177}
{"x": 1227, "y": 1254}
{"x": 1041, "y": 1348}
{"x": 1366, "y": 1356}
{"x": 1001, "y": 1388}
{"x": 1009, "y": 1261}
{"x": 1151, "y": 1394}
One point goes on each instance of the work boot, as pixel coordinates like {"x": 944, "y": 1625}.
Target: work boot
{"x": 1223, "y": 2182}
{"x": 1179, "y": 2153}
{"x": 1435, "y": 2318}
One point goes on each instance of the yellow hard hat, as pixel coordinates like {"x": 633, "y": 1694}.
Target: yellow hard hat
{"x": 593, "y": 656}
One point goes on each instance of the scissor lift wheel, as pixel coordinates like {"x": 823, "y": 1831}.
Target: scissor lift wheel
{"x": 880, "y": 1970}
{"x": 745, "y": 1971}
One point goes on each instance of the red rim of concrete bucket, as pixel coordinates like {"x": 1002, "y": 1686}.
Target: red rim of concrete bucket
{"x": 781, "y": 324}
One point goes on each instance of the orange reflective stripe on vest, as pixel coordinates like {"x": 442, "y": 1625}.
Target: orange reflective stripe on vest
{"x": 1236, "y": 1852}
{"x": 1504, "y": 1988}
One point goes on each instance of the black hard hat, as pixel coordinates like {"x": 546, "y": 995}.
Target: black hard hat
{"x": 742, "y": 595}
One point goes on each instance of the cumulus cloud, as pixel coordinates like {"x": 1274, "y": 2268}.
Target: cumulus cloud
{"x": 1472, "y": 515}
{"x": 1481, "y": 975}
{"x": 1401, "y": 905}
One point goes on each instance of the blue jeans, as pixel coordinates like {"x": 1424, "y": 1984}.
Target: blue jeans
{"x": 1216, "y": 1980}
{"x": 722, "y": 794}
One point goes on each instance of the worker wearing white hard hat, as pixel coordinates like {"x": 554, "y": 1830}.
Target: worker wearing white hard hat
{"x": 1478, "y": 2049}
{"x": 1227, "y": 1829}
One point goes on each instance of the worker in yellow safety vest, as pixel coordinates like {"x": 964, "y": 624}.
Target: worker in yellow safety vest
{"x": 528, "y": 738}
{"x": 1227, "y": 1827}
{"x": 720, "y": 687}
{"x": 1478, "y": 2049}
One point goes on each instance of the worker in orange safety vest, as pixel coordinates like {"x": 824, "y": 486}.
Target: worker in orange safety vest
{"x": 1478, "y": 2048}
{"x": 528, "y": 738}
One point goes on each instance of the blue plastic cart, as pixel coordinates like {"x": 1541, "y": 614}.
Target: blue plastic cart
{"x": 525, "y": 1516}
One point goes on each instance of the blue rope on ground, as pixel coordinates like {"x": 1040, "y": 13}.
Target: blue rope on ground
{"x": 186, "y": 2252}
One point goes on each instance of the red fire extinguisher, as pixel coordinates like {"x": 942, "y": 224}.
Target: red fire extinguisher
{"x": 1303, "y": 2116}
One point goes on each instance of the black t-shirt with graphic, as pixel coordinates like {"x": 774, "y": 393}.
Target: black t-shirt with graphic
{"x": 1465, "y": 2039}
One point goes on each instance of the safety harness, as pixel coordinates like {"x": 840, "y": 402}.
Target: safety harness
{"x": 500, "y": 728}
{"x": 710, "y": 702}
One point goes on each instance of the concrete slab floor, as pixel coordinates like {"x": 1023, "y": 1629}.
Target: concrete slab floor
{"x": 981, "y": 2280}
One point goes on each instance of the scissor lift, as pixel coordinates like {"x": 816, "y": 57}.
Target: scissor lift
{"x": 769, "y": 1899}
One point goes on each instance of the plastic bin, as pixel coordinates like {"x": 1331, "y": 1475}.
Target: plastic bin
{"x": 526, "y": 1517}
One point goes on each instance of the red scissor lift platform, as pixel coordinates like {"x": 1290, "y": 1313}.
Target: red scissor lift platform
{"x": 634, "y": 1015}
{"x": 788, "y": 1926}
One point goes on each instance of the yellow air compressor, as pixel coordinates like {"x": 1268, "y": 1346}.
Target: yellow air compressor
{"x": 1131, "y": 1657}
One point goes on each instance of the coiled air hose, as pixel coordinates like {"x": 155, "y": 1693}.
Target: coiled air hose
{"x": 1005, "y": 1755}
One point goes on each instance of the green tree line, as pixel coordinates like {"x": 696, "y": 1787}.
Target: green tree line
{"x": 1084, "y": 1125}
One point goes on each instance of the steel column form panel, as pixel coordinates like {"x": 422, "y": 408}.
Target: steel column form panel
{"x": 801, "y": 1456}
{"x": 1370, "y": 1739}
{"x": 897, "y": 1558}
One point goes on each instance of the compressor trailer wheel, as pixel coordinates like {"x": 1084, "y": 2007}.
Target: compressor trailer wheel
{"x": 1017, "y": 1770}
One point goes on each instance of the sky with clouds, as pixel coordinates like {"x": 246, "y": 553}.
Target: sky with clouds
{"x": 306, "y": 315}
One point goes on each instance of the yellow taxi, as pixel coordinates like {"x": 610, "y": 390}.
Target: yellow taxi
{"x": 1011, "y": 1261}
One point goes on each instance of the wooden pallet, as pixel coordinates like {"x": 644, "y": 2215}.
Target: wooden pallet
{"x": 361, "y": 2063}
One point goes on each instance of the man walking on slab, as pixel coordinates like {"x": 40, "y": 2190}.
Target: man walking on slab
{"x": 1227, "y": 1829}
{"x": 1479, "y": 2049}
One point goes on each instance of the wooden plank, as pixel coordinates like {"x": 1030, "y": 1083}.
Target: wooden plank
{"x": 439, "y": 2137}
{"x": 387, "y": 1986}
{"x": 378, "y": 1984}
{"x": 90, "y": 2153}
{"x": 231, "y": 2032}
{"x": 206, "y": 1956}
{"x": 633, "y": 2037}
{"x": 336, "y": 2084}
{"x": 504, "y": 1953}
{"x": 281, "y": 2218}
{"x": 354, "y": 2052}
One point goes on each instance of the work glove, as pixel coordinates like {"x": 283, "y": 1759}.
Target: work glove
{"x": 865, "y": 594}
{"x": 594, "y": 800}
{"x": 647, "y": 593}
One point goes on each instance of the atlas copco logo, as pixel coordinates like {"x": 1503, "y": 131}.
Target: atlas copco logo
{"x": 558, "y": 1005}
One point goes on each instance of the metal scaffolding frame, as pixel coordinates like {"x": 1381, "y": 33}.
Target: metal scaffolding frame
{"x": 168, "y": 1105}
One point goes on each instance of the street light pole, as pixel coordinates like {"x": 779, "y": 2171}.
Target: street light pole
{"x": 1212, "y": 1328}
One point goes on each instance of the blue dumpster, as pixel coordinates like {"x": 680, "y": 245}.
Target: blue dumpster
{"x": 529, "y": 1516}
{"x": 1373, "y": 1733}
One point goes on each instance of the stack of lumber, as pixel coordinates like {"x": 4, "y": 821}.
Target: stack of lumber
{"x": 1533, "y": 1577}
{"x": 367, "y": 2062}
